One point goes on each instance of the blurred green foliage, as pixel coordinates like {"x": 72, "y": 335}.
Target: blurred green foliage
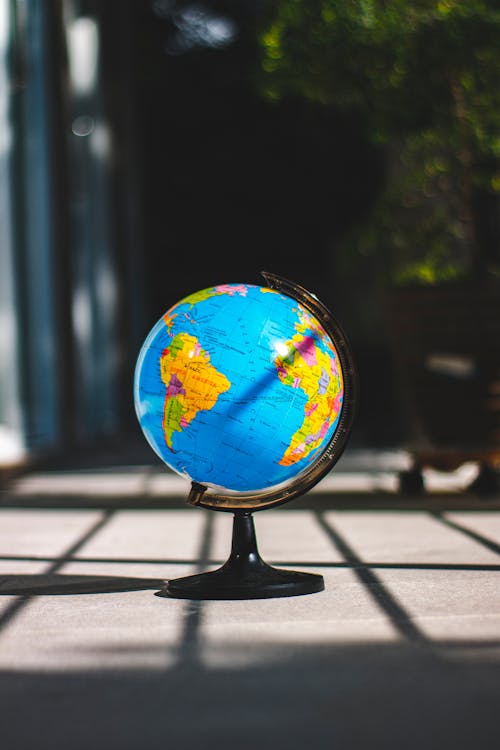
{"x": 424, "y": 76}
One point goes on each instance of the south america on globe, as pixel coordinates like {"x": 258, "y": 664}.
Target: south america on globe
{"x": 239, "y": 387}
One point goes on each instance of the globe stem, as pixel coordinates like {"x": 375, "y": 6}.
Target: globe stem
{"x": 244, "y": 559}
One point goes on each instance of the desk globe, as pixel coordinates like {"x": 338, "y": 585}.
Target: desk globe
{"x": 248, "y": 392}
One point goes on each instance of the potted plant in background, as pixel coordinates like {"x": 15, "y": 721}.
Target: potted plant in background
{"x": 425, "y": 78}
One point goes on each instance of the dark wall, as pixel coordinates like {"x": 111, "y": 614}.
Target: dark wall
{"x": 234, "y": 184}
{"x": 229, "y": 183}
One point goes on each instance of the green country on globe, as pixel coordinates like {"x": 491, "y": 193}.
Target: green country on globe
{"x": 239, "y": 387}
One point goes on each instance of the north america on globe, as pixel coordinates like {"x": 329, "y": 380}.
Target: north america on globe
{"x": 239, "y": 387}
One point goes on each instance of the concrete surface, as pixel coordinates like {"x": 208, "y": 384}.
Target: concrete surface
{"x": 401, "y": 650}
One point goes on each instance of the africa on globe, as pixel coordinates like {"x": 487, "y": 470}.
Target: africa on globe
{"x": 239, "y": 387}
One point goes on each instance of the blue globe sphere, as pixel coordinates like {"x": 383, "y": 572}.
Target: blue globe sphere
{"x": 239, "y": 387}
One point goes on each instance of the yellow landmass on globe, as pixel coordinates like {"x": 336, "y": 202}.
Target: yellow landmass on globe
{"x": 316, "y": 372}
{"x": 193, "y": 384}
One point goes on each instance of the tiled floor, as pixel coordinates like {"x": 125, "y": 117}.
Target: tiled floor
{"x": 401, "y": 650}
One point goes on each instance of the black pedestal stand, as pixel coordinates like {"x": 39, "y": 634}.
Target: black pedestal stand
{"x": 245, "y": 575}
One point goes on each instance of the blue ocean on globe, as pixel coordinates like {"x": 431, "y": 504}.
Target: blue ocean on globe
{"x": 238, "y": 387}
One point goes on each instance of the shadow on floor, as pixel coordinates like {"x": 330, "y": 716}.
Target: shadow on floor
{"x": 314, "y": 501}
{"x": 285, "y": 696}
{"x": 43, "y": 585}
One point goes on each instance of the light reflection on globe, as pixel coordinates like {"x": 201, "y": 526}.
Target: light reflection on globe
{"x": 239, "y": 388}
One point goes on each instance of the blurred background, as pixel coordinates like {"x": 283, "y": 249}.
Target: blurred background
{"x": 151, "y": 148}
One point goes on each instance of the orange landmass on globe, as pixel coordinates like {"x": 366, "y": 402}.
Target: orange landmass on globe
{"x": 193, "y": 384}
{"x": 317, "y": 373}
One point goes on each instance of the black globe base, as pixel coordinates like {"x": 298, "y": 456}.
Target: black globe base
{"x": 245, "y": 575}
